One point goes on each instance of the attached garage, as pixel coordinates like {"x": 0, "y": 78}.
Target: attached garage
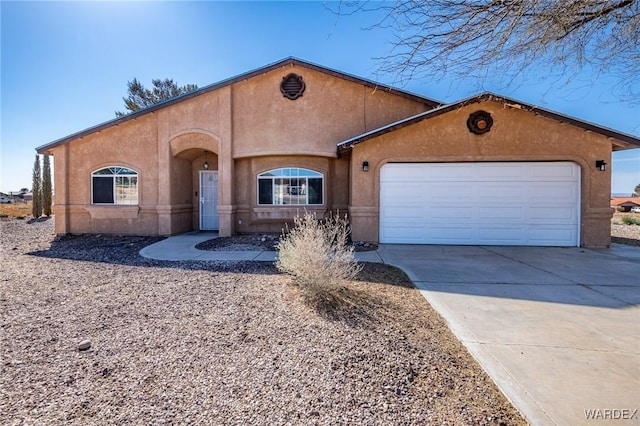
{"x": 486, "y": 170}
{"x": 480, "y": 203}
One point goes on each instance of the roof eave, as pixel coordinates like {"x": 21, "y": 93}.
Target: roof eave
{"x": 619, "y": 140}
{"x": 43, "y": 149}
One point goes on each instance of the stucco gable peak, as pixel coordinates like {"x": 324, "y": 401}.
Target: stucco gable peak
{"x": 289, "y": 61}
{"x": 619, "y": 140}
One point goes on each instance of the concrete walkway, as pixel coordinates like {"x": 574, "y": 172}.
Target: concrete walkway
{"x": 557, "y": 329}
{"x": 183, "y": 247}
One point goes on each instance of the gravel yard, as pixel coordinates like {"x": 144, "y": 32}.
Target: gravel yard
{"x": 622, "y": 233}
{"x": 219, "y": 343}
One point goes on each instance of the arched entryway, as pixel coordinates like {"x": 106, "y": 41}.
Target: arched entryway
{"x": 195, "y": 167}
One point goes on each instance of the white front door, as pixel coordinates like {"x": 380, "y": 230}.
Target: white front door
{"x": 209, "y": 219}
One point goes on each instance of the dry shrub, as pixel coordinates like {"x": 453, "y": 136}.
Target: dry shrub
{"x": 317, "y": 253}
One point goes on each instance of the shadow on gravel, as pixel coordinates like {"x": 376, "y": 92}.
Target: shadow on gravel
{"x": 626, "y": 241}
{"x": 344, "y": 305}
{"x": 39, "y": 220}
{"x": 124, "y": 250}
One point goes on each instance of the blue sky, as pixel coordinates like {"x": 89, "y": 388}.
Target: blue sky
{"x": 65, "y": 66}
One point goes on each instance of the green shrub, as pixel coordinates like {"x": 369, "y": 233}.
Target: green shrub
{"x": 317, "y": 253}
{"x": 631, "y": 220}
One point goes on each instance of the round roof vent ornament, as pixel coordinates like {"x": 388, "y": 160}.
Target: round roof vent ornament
{"x": 292, "y": 86}
{"x": 479, "y": 122}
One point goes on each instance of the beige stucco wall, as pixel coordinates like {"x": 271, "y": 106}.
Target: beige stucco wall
{"x": 131, "y": 145}
{"x": 241, "y": 130}
{"x": 516, "y": 135}
{"x": 330, "y": 110}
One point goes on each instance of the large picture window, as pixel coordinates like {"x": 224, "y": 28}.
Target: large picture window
{"x": 290, "y": 186}
{"x": 114, "y": 185}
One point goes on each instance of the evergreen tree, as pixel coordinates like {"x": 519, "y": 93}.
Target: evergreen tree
{"x": 140, "y": 97}
{"x": 47, "y": 189}
{"x": 36, "y": 190}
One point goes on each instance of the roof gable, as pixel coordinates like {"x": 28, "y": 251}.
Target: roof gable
{"x": 620, "y": 140}
{"x": 215, "y": 86}
{"x": 628, "y": 201}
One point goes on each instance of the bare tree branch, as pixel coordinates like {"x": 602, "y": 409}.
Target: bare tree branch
{"x": 475, "y": 38}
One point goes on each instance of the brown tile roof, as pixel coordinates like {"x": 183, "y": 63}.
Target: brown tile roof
{"x": 619, "y": 201}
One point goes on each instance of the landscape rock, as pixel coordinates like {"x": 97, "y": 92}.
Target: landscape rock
{"x": 222, "y": 342}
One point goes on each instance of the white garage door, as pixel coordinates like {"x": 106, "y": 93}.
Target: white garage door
{"x": 536, "y": 204}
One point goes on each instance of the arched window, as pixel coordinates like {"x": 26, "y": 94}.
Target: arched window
{"x": 290, "y": 186}
{"x": 114, "y": 185}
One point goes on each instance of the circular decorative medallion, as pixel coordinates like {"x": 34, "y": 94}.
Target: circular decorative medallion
{"x": 292, "y": 86}
{"x": 479, "y": 122}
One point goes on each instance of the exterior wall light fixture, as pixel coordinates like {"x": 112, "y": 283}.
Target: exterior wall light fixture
{"x": 206, "y": 162}
{"x": 365, "y": 166}
{"x": 601, "y": 164}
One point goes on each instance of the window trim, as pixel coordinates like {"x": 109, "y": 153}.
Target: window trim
{"x": 259, "y": 177}
{"x": 114, "y": 175}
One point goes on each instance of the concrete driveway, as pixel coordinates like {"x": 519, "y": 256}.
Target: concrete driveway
{"x": 558, "y": 329}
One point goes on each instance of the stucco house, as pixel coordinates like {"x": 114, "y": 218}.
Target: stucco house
{"x": 249, "y": 153}
{"x": 625, "y": 204}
